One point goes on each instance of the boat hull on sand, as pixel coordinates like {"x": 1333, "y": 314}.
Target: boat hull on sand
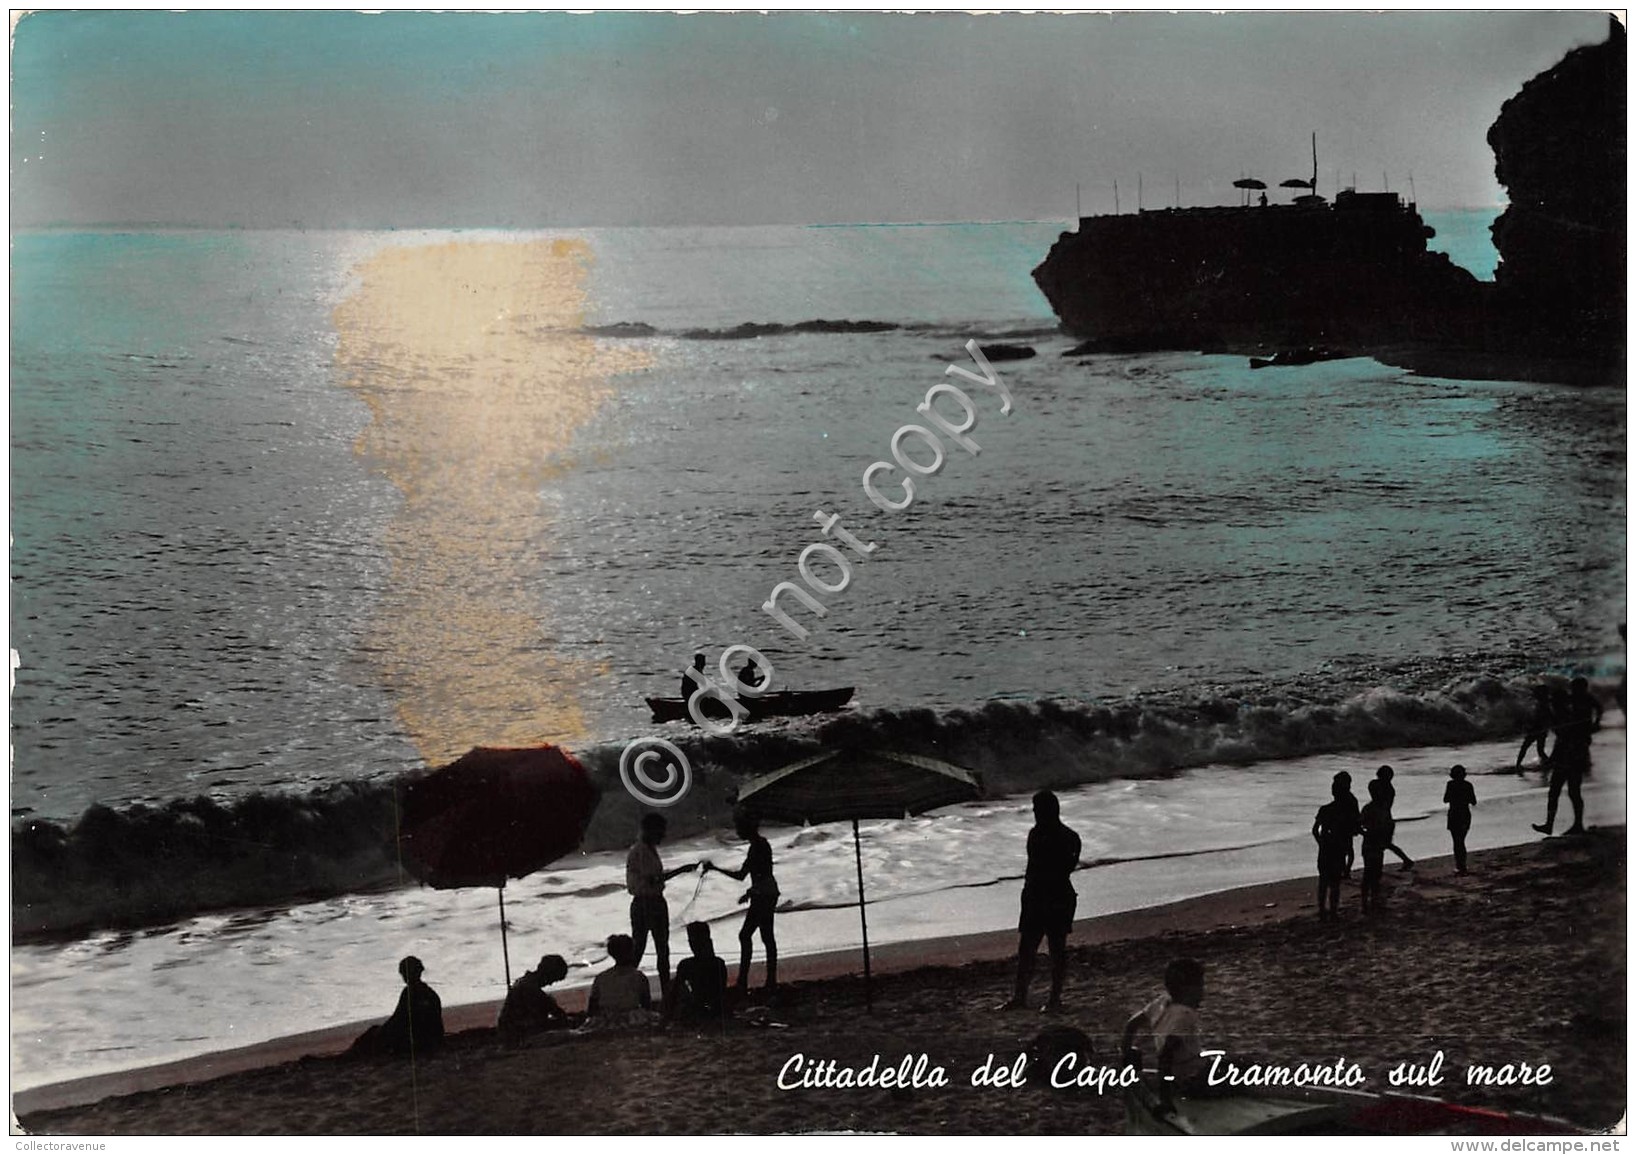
{"x": 1324, "y": 1111}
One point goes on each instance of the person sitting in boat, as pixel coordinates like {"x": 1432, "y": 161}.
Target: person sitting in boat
{"x": 528, "y": 1008}
{"x": 689, "y": 686}
{"x": 1172, "y": 1021}
{"x": 416, "y": 1025}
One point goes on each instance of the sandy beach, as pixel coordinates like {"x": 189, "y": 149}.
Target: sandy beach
{"x": 1544, "y": 923}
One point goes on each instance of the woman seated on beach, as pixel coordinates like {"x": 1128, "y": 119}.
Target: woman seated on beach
{"x": 528, "y": 1008}
{"x": 620, "y": 995}
{"x": 1172, "y": 1021}
{"x": 416, "y": 1026}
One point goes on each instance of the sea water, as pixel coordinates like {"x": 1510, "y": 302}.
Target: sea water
{"x": 256, "y": 547}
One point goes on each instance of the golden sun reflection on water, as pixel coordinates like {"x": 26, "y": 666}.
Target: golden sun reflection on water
{"x": 467, "y": 356}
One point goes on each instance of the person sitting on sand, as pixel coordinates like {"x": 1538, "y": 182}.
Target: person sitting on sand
{"x": 750, "y": 675}
{"x": 1375, "y": 821}
{"x": 1333, "y": 829}
{"x": 698, "y": 993}
{"x": 620, "y": 995}
{"x": 1388, "y": 798}
{"x": 1461, "y": 798}
{"x": 762, "y": 897}
{"x": 416, "y": 1026}
{"x": 1539, "y": 726}
{"x": 528, "y": 1008}
{"x": 1048, "y": 900}
{"x": 1172, "y": 1021}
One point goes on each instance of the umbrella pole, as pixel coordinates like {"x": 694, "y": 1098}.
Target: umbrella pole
{"x": 863, "y": 921}
{"x": 505, "y": 951}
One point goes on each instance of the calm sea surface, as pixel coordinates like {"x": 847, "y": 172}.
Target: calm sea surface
{"x": 297, "y": 509}
{"x": 208, "y": 554}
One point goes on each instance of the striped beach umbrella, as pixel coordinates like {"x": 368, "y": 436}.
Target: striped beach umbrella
{"x": 852, "y": 784}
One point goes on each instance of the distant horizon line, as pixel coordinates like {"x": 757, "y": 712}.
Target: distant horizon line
{"x": 173, "y": 226}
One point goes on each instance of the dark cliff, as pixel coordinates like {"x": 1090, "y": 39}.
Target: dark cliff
{"x": 1559, "y": 150}
{"x": 1356, "y": 275}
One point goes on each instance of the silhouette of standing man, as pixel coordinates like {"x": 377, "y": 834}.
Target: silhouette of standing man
{"x": 1048, "y": 899}
{"x": 1571, "y": 756}
{"x": 645, "y": 877}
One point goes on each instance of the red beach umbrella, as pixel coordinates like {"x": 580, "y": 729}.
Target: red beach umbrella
{"x": 495, "y": 814}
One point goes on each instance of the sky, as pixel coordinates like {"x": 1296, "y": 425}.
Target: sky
{"x": 541, "y": 120}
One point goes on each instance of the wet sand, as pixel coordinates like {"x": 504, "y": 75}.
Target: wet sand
{"x": 1522, "y": 961}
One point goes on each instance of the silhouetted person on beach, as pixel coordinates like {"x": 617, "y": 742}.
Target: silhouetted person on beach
{"x": 750, "y": 675}
{"x": 416, "y": 1026}
{"x": 698, "y": 993}
{"x": 762, "y": 897}
{"x": 1048, "y": 899}
{"x": 1172, "y": 1021}
{"x": 645, "y": 878}
{"x": 1389, "y": 799}
{"x": 1350, "y": 801}
{"x": 1539, "y": 726}
{"x": 620, "y": 994}
{"x": 528, "y": 1008}
{"x": 1375, "y": 822}
{"x": 1571, "y": 756}
{"x": 1332, "y": 829}
{"x": 1461, "y": 797}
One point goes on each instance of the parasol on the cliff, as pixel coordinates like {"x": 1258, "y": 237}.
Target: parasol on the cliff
{"x": 494, "y": 814}
{"x": 1249, "y": 182}
{"x": 843, "y": 784}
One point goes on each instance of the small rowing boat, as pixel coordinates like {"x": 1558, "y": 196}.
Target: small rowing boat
{"x": 775, "y": 704}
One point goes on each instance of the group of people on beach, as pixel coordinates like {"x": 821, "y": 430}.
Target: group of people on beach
{"x": 1572, "y": 715}
{"x": 1341, "y": 820}
{"x": 621, "y": 995}
{"x": 698, "y": 992}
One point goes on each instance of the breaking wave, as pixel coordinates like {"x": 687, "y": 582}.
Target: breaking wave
{"x": 148, "y": 864}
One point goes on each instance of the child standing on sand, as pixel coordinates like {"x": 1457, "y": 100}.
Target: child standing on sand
{"x": 1332, "y": 829}
{"x": 1375, "y": 820}
{"x": 1461, "y": 797}
{"x": 1349, "y": 800}
{"x": 762, "y": 897}
{"x": 1389, "y": 797}
{"x": 1172, "y": 1020}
